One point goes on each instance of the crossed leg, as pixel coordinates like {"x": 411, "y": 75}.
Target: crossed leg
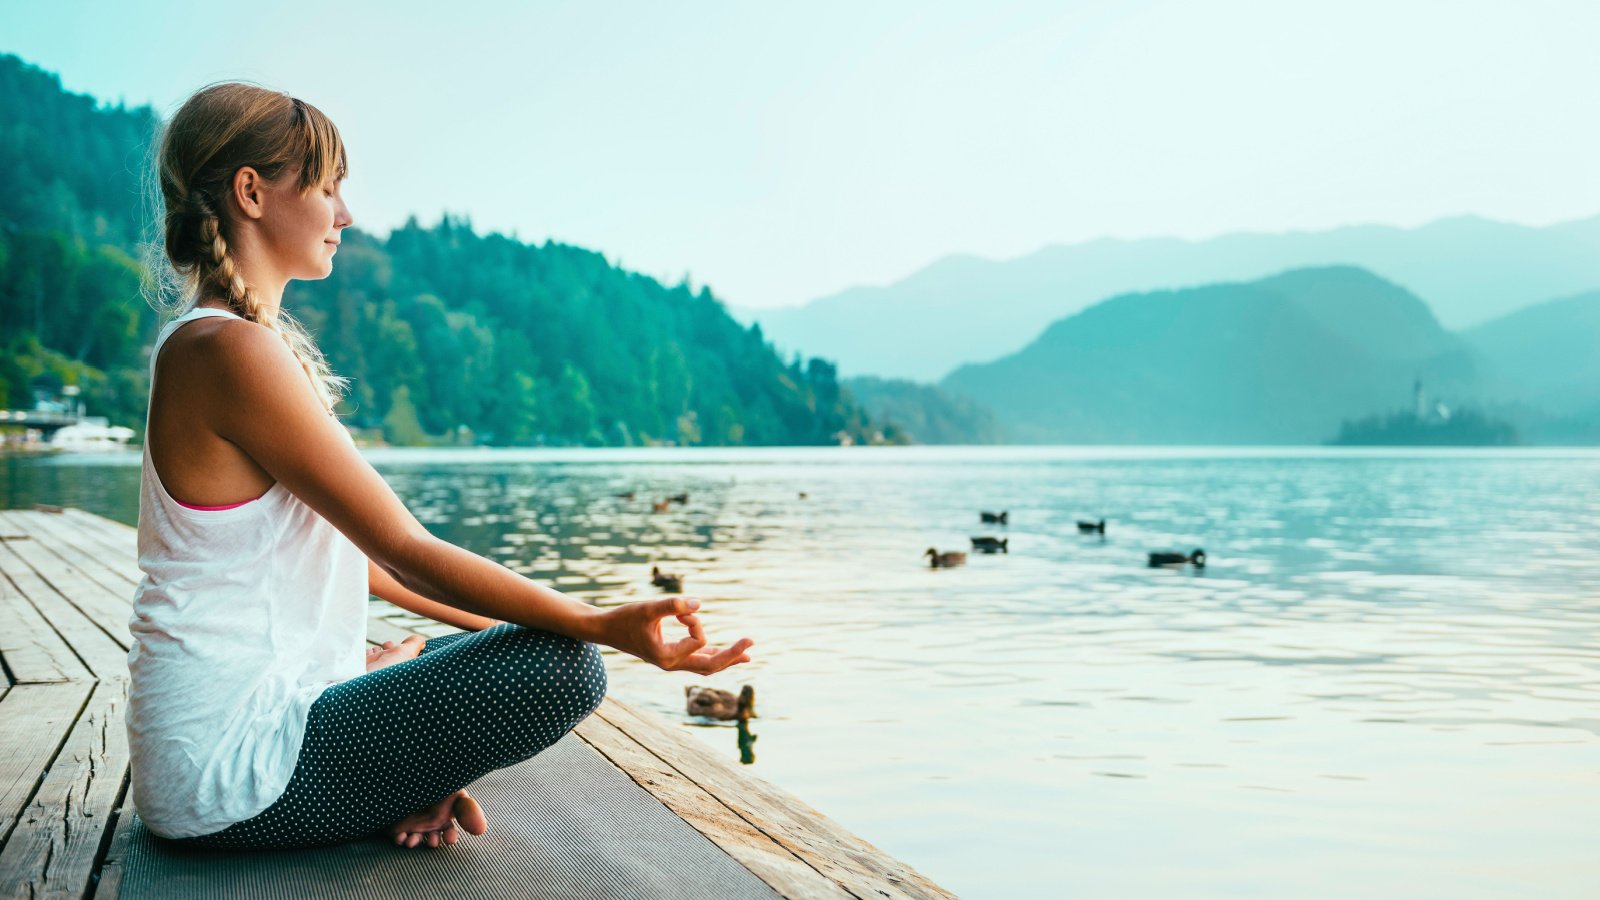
{"x": 394, "y": 748}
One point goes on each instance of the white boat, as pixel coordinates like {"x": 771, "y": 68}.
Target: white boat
{"x": 91, "y": 435}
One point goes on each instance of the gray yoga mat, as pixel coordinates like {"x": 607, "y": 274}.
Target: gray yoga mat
{"x": 566, "y": 823}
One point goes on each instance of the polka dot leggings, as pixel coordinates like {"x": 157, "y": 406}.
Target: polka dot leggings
{"x": 396, "y": 741}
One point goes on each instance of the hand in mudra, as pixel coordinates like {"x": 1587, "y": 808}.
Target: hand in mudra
{"x": 635, "y": 628}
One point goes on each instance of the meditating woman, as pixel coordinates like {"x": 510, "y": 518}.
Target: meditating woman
{"x": 256, "y": 716}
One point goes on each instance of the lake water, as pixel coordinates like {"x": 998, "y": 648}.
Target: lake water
{"x": 1386, "y": 682}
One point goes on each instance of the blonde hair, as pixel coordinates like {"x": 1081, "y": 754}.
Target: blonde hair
{"x": 218, "y": 130}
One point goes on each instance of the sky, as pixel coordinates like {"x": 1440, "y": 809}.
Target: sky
{"x": 782, "y": 153}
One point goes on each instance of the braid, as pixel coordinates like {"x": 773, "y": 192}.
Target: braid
{"x": 217, "y": 268}
{"x": 218, "y": 271}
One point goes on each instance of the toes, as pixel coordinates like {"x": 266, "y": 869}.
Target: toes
{"x": 433, "y": 839}
{"x": 469, "y": 814}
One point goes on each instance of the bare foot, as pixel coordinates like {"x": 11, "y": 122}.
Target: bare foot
{"x": 437, "y": 824}
{"x": 391, "y": 653}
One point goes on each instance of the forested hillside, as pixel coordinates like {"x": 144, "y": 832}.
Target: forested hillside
{"x": 447, "y": 334}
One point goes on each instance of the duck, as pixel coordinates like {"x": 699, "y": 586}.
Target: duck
{"x": 1197, "y": 558}
{"x": 714, "y": 703}
{"x": 990, "y": 544}
{"x": 678, "y": 498}
{"x": 944, "y": 560}
{"x": 626, "y": 495}
{"x": 667, "y": 581}
{"x": 989, "y": 518}
{"x": 804, "y": 495}
{"x": 663, "y": 505}
{"x": 1091, "y": 527}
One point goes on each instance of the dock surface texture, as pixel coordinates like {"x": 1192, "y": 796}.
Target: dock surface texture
{"x": 625, "y": 806}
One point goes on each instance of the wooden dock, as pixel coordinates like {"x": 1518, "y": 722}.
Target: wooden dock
{"x": 66, "y": 584}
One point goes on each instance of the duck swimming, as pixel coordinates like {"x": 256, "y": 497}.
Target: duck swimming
{"x": 944, "y": 560}
{"x": 990, "y": 544}
{"x": 1091, "y": 527}
{"x": 714, "y": 703}
{"x": 989, "y": 518}
{"x": 1197, "y": 558}
{"x": 672, "y": 584}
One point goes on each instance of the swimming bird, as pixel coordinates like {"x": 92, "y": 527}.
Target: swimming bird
{"x": 944, "y": 560}
{"x": 625, "y": 495}
{"x": 990, "y": 544}
{"x": 714, "y": 703}
{"x": 1091, "y": 527}
{"x": 663, "y": 505}
{"x": 1198, "y": 558}
{"x": 667, "y": 581}
{"x": 804, "y": 495}
{"x": 679, "y": 498}
{"x": 989, "y": 518}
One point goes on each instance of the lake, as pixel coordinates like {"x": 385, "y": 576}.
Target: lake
{"x": 1385, "y": 682}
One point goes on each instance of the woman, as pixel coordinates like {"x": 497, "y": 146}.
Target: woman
{"x": 256, "y": 717}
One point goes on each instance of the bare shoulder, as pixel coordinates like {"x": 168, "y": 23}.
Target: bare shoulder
{"x": 241, "y": 351}
{"x": 223, "y": 356}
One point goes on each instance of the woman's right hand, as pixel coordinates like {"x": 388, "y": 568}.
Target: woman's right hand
{"x": 635, "y": 628}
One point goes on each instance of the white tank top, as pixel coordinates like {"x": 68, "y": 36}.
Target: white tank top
{"x": 244, "y": 616}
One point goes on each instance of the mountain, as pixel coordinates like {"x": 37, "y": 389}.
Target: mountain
{"x": 1280, "y": 360}
{"x": 964, "y": 309}
{"x": 925, "y": 414}
{"x": 1547, "y": 355}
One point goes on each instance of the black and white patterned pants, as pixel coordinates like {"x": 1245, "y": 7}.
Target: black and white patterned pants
{"x": 396, "y": 741}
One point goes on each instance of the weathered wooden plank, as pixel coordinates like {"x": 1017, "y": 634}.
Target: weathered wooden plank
{"x": 32, "y": 650}
{"x": 115, "y": 555}
{"x": 108, "y": 609}
{"x": 117, "y": 550}
{"x": 102, "y": 523}
{"x": 766, "y": 859}
{"x": 116, "y": 534}
{"x": 68, "y": 540}
{"x": 60, "y": 538}
{"x": 52, "y": 850}
{"x": 854, "y": 864}
{"x": 104, "y": 657}
{"x": 109, "y": 883}
{"x": 36, "y": 718}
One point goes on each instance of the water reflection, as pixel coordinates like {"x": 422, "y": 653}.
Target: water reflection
{"x": 1384, "y": 645}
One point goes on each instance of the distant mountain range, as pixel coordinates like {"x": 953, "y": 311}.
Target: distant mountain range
{"x": 1280, "y": 360}
{"x": 1547, "y": 355}
{"x": 963, "y": 309}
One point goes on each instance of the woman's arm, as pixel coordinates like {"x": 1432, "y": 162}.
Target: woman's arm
{"x": 383, "y": 586}
{"x": 260, "y": 400}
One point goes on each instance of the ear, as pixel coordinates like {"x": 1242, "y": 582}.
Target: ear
{"x": 249, "y": 192}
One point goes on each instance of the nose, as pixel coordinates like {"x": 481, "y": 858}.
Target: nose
{"x": 341, "y": 215}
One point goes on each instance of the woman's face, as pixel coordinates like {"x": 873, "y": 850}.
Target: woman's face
{"x": 302, "y": 232}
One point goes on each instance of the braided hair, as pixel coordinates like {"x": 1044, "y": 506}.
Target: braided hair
{"x": 217, "y": 131}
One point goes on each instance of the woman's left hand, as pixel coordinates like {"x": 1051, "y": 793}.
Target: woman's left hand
{"x": 635, "y": 628}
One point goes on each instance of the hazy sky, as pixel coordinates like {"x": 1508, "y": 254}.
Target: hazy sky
{"x": 779, "y": 154}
